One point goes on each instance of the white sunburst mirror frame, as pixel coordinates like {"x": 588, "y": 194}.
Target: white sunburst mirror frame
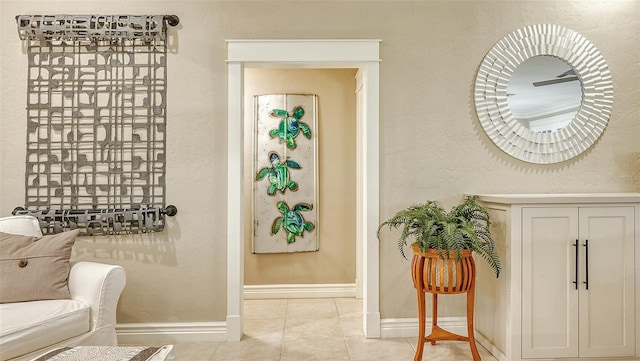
{"x": 342, "y": 53}
{"x": 497, "y": 119}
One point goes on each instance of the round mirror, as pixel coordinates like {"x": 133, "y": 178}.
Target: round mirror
{"x": 544, "y": 94}
{"x": 515, "y": 125}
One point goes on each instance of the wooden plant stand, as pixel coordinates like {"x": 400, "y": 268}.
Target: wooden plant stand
{"x": 432, "y": 274}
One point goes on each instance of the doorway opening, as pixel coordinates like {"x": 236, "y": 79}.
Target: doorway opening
{"x": 319, "y": 262}
{"x": 362, "y": 55}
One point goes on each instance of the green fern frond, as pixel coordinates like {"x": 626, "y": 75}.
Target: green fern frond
{"x": 465, "y": 226}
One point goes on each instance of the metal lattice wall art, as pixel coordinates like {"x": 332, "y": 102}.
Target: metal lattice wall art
{"x": 96, "y": 112}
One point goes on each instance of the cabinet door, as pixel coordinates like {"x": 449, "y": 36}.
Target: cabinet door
{"x": 549, "y": 296}
{"x": 606, "y": 308}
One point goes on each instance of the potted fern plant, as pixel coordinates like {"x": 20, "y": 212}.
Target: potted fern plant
{"x": 431, "y": 227}
{"x": 442, "y": 263}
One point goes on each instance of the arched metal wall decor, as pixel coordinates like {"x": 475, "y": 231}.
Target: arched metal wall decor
{"x": 96, "y": 122}
{"x": 496, "y": 118}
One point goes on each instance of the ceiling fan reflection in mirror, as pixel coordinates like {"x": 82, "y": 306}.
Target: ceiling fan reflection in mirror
{"x": 559, "y": 79}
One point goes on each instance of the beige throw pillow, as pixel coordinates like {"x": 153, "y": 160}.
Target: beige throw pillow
{"x": 34, "y": 268}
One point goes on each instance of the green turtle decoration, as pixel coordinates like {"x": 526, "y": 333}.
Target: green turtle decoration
{"x": 290, "y": 126}
{"x": 279, "y": 175}
{"x": 292, "y": 221}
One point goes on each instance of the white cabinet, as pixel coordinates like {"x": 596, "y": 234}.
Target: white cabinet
{"x": 571, "y": 286}
{"x": 577, "y": 282}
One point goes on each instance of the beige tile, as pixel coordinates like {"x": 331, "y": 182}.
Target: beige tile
{"x": 352, "y": 326}
{"x": 316, "y": 329}
{"x": 349, "y": 307}
{"x": 249, "y": 349}
{"x": 264, "y": 309}
{"x": 452, "y": 350}
{"x": 387, "y": 349}
{"x": 195, "y": 351}
{"x": 313, "y": 327}
{"x": 311, "y": 308}
{"x": 269, "y": 328}
{"x": 310, "y": 349}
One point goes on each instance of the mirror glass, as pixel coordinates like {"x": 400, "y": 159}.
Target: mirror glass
{"x": 556, "y": 120}
{"x": 544, "y": 94}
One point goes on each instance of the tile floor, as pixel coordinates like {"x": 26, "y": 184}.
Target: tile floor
{"x": 326, "y": 329}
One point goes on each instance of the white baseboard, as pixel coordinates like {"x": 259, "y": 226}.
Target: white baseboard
{"x": 170, "y": 332}
{"x": 177, "y": 332}
{"x": 185, "y": 332}
{"x": 490, "y": 347}
{"x": 252, "y": 292}
{"x": 372, "y": 325}
{"x": 408, "y": 327}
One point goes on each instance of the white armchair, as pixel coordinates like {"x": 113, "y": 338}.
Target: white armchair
{"x": 28, "y": 329}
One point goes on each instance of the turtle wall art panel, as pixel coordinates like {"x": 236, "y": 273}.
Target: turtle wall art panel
{"x": 285, "y": 170}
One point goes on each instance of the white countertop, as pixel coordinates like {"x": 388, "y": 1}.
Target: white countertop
{"x": 558, "y": 198}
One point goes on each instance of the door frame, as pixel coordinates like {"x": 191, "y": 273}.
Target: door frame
{"x": 358, "y": 54}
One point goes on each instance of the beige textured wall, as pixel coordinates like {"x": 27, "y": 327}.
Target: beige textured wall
{"x": 432, "y": 146}
{"x": 335, "y": 260}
